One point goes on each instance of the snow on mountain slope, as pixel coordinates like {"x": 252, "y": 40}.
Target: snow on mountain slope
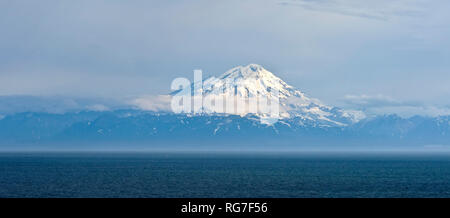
{"x": 253, "y": 80}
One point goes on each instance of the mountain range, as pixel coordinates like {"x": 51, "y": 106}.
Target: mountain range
{"x": 253, "y": 80}
{"x": 304, "y": 122}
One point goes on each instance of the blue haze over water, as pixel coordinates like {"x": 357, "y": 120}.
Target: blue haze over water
{"x": 224, "y": 175}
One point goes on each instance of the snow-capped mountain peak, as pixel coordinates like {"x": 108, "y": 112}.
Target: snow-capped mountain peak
{"x": 248, "y": 81}
{"x": 254, "y": 80}
{"x": 249, "y": 71}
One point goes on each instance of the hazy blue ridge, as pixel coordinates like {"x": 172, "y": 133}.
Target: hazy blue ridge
{"x": 141, "y": 126}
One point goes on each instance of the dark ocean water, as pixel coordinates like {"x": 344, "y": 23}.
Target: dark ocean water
{"x": 223, "y": 175}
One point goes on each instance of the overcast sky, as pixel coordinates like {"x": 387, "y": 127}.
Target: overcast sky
{"x": 380, "y": 55}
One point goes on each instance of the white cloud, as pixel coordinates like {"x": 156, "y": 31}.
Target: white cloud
{"x": 152, "y": 103}
{"x": 382, "y": 104}
{"x": 408, "y": 111}
{"x": 97, "y": 107}
{"x": 372, "y": 100}
{"x": 380, "y": 10}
